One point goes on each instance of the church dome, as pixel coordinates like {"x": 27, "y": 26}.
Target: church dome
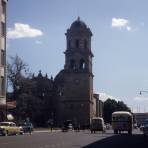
{"x": 78, "y": 24}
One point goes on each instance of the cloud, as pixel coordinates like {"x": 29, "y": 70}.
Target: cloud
{"x": 120, "y": 23}
{"x": 104, "y": 97}
{"x": 23, "y": 31}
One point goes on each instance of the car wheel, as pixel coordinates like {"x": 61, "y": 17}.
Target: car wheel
{"x": 21, "y": 133}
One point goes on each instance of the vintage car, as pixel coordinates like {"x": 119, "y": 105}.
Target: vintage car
{"x": 10, "y": 128}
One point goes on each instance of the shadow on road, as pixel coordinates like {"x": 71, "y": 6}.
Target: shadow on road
{"x": 121, "y": 141}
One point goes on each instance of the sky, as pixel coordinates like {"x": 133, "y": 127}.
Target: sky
{"x": 36, "y": 33}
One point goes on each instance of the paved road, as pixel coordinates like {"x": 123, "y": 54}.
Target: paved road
{"x": 72, "y": 139}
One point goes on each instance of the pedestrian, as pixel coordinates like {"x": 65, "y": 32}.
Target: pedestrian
{"x": 30, "y": 128}
{"x": 51, "y": 126}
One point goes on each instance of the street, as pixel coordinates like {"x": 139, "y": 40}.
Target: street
{"x": 71, "y": 139}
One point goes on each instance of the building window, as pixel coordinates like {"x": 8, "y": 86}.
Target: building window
{"x": 77, "y": 43}
{"x": 2, "y": 86}
{"x": 82, "y": 64}
{"x": 2, "y": 57}
{"x": 72, "y": 64}
{"x": 3, "y": 7}
{"x": 85, "y": 43}
{"x": 3, "y": 31}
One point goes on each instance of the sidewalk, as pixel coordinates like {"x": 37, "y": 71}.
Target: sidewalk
{"x": 46, "y": 130}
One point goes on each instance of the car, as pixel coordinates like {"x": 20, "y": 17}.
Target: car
{"x": 10, "y": 128}
{"x": 145, "y": 128}
{"x": 70, "y": 126}
{"x": 27, "y": 127}
{"x": 67, "y": 125}
{"x": 107, "y": 126}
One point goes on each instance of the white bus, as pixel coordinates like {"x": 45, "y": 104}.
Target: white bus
{"x": 122, "y": 121}
{"x": 97, "y": 124}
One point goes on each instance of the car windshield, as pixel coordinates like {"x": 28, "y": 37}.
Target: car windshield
{"x": 99, "y": 121}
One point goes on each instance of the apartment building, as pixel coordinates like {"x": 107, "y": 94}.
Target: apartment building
{"x": 3, "y": 4}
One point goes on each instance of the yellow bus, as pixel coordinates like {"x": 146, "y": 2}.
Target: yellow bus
{"x": 122, "y": 121}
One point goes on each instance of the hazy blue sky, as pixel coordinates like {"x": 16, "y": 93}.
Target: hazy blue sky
{"x": 36, "y": 32}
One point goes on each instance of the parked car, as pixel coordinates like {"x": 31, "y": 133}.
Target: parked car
{"x": 27, "y": 127}
{"x": 145, "y": 128}
{"x": 67, "y": 125}
{"x": 10, "y": 128}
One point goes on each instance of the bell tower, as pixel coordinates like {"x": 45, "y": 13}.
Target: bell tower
{"x": 78, "y": 56}
{"x": 75, "y": 81}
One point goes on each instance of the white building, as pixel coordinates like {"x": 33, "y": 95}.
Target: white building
{"x": 3, "y": 4}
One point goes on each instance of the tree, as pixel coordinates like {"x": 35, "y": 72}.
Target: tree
{"x": 16, "y": 71}
{"x": 121, "y": 106}
{"x": 111, "y": 105}
{"x": 33, "y": 94}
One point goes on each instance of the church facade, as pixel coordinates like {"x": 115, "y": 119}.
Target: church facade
{"x": 74, "y": 84}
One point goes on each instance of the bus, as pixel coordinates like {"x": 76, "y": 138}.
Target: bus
{"x": 122, "y": 121}
{"x": 97, "y": 124}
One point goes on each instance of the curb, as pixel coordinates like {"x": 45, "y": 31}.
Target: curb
{"x": 46, "y": 131}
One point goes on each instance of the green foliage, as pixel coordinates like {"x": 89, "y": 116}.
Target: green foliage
{"x": 32, "y": 94}
{"x": 111, "y": 105}
{"x": 16, "y": 72}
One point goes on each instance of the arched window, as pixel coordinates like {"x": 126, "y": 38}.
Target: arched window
{"x": 85, "y": 44}
{"x": 72, "y": 64}
{"x": 82, "y": 64}
{"x": 77, "y": 43}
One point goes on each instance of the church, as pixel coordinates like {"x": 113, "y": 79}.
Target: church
{"x": 73, "y": 85}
